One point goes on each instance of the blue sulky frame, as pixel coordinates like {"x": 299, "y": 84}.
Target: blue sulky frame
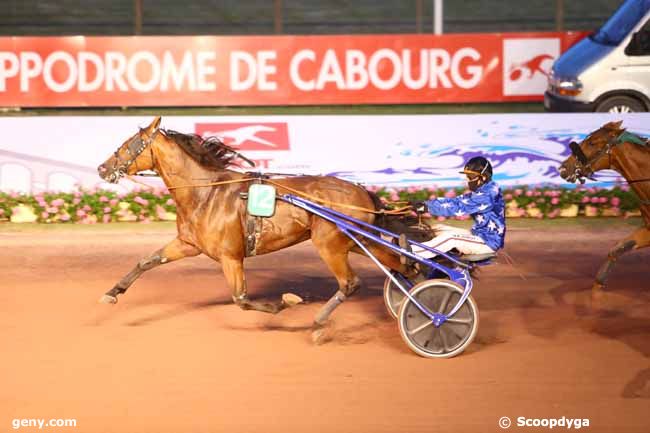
{"x": 352, "y": 226}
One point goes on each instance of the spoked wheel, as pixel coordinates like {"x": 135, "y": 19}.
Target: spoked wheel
{"x": 393, "y": 296}
{"x": 419, "y": 332}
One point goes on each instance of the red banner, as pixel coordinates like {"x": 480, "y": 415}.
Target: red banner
{"x": 83, "y": 71}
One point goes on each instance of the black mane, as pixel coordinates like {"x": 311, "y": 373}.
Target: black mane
{"x": 210, "y": 152}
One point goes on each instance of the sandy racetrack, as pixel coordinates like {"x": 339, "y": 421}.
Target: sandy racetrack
{"x": 175, "y": 355}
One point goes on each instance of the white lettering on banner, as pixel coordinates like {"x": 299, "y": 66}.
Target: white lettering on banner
{"x": 256, "y": 70}
{"x": 143, "y": 71}
{"x": 31, "y": 63}
{"x": 206, "y": 68}
{"x": 373, "y": 68}
{"x": 355, "y": 70}
{"x": 154, "y": 77}
{"x": 437, "y": 68}
{"x": 48, "y": 73}
{"x": 185, "y": 72}
{"x": 115, "y": 68}
{"x": 474, "y": 70}
{"x": 8, "y": 68}
{"x": 86, "y": 57}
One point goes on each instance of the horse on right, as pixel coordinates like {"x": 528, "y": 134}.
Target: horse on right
{"x": 611, "y": 147}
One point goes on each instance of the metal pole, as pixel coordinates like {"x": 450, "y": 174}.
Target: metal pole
{"x": 418, "y": 16}
{"x": 437, "y": 17}
{"x": 137, "y": 6}
{"x": 559, "y": 15}
{"x": 277, "y": 16}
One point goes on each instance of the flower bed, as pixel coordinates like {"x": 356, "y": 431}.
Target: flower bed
{"x": 97, "y": 206}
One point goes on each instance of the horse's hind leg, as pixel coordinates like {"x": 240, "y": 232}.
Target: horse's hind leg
{"x": 334, "y": 250}
{"x": 638, "y": 239}
{"x": 175, "y": 250}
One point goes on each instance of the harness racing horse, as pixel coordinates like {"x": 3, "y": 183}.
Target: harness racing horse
{"x": 612, "y": 147}
{"x": 212, "y": 220}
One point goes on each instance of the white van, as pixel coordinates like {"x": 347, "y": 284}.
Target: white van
{"x": 609, "y": 71}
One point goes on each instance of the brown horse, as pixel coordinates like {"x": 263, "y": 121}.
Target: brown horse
{"x": 213, "y": 220}
{"x": 611, "y": 147}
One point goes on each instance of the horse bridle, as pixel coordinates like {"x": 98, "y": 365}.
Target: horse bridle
{"x": 134, "y": 148}
{"x": 582, "y": 162}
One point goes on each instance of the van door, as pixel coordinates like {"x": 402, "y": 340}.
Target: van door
{"x": 637, "y": 69}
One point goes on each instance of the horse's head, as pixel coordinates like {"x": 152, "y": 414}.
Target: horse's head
{"x": 592, "y": 154}
{"x": 133, "y": 156}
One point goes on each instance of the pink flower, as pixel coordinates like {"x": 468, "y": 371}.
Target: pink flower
{"x": 604, "y": 200}
{"x": 76, "y": 201}
{"x": 41, "y": 202}
{"x": 555, "y": 201}
{"x": 141, "y": 201}
{"x": 2, "y": 211}
{"x": 44, "y": 215}
{"x": 58, "y": 202}
{"x": 86, "y": 208}
{"x": 411, "y": 189}
{"x": 615, "y": 201}
{"x": 106, "y": 218}
{"x": 529, "y": 193}
{"x": 451, "y": 193}
{"x": 441, "y": 218}
{"x": 160, "y": 212}
{"x": 508, "y": 197}
{"x": 103, "y": 199}
{"x": 394, "y": 197}
{"x": 595, "y": 200}
{"x": 65, "y": 217}
{"x": 585, "y": 199}
{"x": 81, "y": 213}
{"x": 107, "y": 209}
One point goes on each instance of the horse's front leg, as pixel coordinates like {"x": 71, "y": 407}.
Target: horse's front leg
{"x": 175, "y": 250}
{"x": 233, "y": 269}
{"x": 638, "y": 239}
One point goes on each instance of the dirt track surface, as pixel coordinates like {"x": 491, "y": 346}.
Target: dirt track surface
{"x": 175, "y": 355}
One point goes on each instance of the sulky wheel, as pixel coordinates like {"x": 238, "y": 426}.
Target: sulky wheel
{"x": 419, "y": 332}
{"x": 393, "y": 296}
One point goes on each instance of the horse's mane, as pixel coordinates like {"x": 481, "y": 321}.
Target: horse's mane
{"x": 210, "y": 152}
{"x": 627, "y": 136}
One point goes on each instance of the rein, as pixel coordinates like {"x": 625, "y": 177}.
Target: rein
{"x": 399, "y": 211}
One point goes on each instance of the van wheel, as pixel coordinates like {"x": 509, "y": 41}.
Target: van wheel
{"x": 620, "y": 104}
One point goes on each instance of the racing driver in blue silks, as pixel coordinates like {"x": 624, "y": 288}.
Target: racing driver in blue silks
{"x": 484, "y": 203}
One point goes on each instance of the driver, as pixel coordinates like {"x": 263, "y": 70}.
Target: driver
{"x": 483, "y": 203}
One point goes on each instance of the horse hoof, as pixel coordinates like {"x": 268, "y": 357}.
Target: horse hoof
{"x": 321, "y": 335}
{"x": 108, "y": 299}
{"x": 289, "y": 299}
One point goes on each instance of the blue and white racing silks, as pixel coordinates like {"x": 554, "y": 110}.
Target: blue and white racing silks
{"x": 486, "y": 207}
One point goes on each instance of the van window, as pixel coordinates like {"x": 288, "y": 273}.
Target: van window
{"x": 640, "y": 43}
{"x": 619, "y": 25}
